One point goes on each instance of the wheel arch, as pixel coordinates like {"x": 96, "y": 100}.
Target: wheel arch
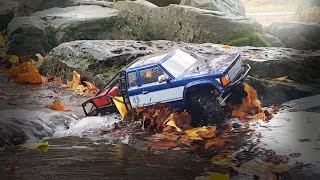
{"x": 201, "y": 84}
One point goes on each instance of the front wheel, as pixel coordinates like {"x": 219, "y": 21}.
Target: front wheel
{"x": 205, "y": 109}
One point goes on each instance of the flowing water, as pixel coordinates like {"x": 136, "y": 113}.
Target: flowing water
{"x": 77, "y": 150}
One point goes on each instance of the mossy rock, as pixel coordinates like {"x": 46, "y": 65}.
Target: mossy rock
{"x": 250, "y": 39}
{"x": 163, "y": 3}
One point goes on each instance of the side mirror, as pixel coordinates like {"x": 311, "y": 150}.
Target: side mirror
{"x": 163, "y": 78}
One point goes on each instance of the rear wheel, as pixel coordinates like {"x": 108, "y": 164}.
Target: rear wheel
{"x": 204, "y": 109}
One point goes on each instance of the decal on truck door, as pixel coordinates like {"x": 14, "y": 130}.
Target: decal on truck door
{"x": 166, "y": 95}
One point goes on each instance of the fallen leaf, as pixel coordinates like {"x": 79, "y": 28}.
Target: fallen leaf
{"x": 58, "y": 80}
{"x": 14, "y": 59}
{"x": 173, "y": 124}
{"x": 222, "y": 160}
{"x": 35, "y": 145}
{"x": 57, "y": 105}
{"x": 210, "y": 133}
{"x": 25, "y": 72}
{"x": 219, "y": 176}
{"x": 283, "y": 79}
{"x": 3, "y": 40}
{"x": 226, "y": 46}
{"x": 39, "y": 56}
{"x": 214, "y": 142}
{"x": 193, "y": 133}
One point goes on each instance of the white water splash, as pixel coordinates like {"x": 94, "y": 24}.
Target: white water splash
{"x": 89, "y": 126}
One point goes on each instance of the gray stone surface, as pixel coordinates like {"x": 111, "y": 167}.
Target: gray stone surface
{"x": 235, "y": 7}
{"x": 98, "y": 60}
{"x": 298, "y": 35}
{"x": 129, "y": 20}
{"x": 27, "y": 7}
{"x": 7, "y": 10}
{"x": 274, "y": 41}
{"x": 43, "y": 30}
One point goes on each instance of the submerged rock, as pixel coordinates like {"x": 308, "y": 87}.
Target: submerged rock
{"x": 99, "y": 60}
{"x": 235, "y": 7}
{"x": 298, "y": 35}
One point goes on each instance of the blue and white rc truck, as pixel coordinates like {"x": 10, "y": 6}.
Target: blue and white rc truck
{"x": 199, "y": 86}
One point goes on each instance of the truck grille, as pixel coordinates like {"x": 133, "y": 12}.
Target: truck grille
{"x": 234, "y": 71}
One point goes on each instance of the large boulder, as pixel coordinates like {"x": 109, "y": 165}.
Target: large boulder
{"x": 298, "y": 35}
{"x": 136, "y": 20}
{"x": 99, "y": 60}
{"x": 183, "y": 23}
{"x": 43, "y": 30}
{"x": 7, "y": 10}
{"x": 235, "y": 7}
{"x": 27, "y": 7}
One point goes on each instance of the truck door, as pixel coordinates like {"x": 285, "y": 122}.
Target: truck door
{"x": 151, "y": 91}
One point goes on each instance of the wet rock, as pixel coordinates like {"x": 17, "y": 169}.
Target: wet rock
{"x": 298, "y": 35}
{"x": 276, "y": 93}
{"x": 7, "y": 9}
{"x": 27, "y": 7}
{"x": 139, "y": 20}
{"x": 20, "y": 125}
{"x": 99, "y": 59}
{"x": 274, "y": 42}
{"x": 183, "y": 23}
{"x": 163, "y": 3}
{"x": 43, "y": 30}
{"x": 235, "y": 7}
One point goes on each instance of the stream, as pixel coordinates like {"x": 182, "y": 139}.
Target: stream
{"x": 78, "y": 150}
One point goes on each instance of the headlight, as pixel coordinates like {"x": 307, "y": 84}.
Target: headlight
{"x": 225, "y": 80}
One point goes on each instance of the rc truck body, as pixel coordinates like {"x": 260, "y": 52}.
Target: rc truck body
{"x": 199, "y": 85}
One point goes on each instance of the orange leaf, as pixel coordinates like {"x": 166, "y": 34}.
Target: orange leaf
{"x": 58, "y": 80}
{"x": 214, "y": 142}
{"x": 226, "y": 46}
{"x": 57, "y": 105}
{"x": 76, "y": 78}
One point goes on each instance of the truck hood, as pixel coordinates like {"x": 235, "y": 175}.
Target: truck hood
{"x": 214, "y": 65}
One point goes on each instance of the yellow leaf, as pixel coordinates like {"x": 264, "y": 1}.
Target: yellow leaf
{"x": 35, "y": 145}
{"x": 39, "y": 56}
{"x": 222, "y": 161}
{"x": 3, "y": 40}
{"x": 192, "y": 133}
{"x": 76, "y": 78}
{"x": 283, "y": 79}
{"x": 173, "y": 124}
{"x": 14, "y": 59}
{"x": 219, "y": 176}
{"x": 32, "y": 61}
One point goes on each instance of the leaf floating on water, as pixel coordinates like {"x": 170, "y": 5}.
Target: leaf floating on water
{"x": 57, "y": 105}
{"x": 284, "y": 79}
{"x": 35, "y": 145}
{"x": 219, "y": 176}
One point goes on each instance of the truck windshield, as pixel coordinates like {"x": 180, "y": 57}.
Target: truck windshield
{"x": 178, "y": 63}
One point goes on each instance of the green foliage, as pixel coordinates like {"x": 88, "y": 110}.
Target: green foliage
{"x": 89, "y": 58}
{"x": 249, "y": 39}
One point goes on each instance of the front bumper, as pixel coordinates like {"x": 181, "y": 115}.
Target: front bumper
{"x": 246, "y": 68}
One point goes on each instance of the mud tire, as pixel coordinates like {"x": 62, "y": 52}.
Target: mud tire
{"x": 205, "y": 109}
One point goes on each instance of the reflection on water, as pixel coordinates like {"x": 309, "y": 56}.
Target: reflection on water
{"x": 79, "y": 158}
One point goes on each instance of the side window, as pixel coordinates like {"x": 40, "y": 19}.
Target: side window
{"x": 150, "y": 75}
{"x": 132, "y": 79}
